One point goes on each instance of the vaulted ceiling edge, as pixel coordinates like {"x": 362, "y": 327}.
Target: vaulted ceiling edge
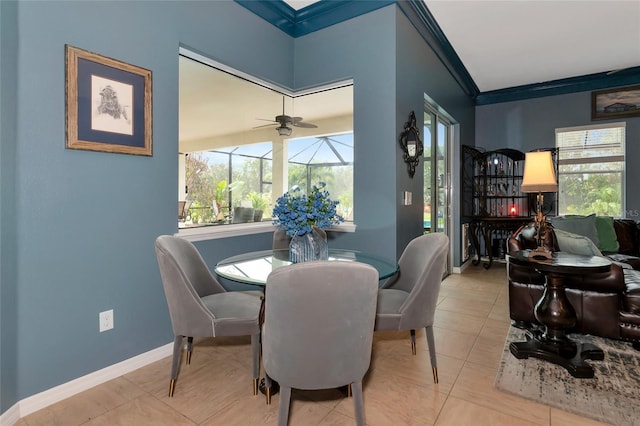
{"x": 420, "y": 17}
{"x": 326, "y": 13}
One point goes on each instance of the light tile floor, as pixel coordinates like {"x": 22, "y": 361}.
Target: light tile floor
{"x": 471, "y": 324}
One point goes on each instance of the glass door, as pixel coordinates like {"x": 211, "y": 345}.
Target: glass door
{"x": 437, "y": 173}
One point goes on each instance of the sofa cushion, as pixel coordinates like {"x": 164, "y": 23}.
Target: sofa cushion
{"x": 626, "y": 233}
{"x": 625, "y": 261}
{"x": 607, "y": 239}
{"x": 631, "y": 300}
{"x": 580, "y": 225}
{"x": 576, "y": 244}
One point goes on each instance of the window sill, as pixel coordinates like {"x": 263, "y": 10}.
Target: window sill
{"x": 236, "y": 230}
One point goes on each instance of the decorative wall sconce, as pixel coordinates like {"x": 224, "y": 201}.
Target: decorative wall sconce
{"x": 411, "y": 144}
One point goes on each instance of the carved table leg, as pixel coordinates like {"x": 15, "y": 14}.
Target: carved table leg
{"x": 554, "y": 311}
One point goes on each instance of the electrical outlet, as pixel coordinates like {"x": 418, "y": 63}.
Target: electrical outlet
{"x": 106, "y": 320}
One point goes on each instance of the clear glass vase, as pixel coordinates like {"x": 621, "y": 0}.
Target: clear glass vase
{"x": 308, "y": 247}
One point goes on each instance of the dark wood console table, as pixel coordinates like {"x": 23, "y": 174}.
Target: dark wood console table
{"x": 556, "y": 314}
{"x": 483, "y": 229}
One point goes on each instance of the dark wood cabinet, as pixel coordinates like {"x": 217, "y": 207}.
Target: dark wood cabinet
{"x": 492, "y": 203}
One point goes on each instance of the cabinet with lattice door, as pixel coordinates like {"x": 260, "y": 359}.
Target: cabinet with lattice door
{"x": 492, "y": 203}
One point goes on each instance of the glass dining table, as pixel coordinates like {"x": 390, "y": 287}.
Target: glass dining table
{"x": 255, "y": 267}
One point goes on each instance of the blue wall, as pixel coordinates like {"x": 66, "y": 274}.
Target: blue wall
{"x": 8, "y": 145}
{"x": 392, "y": 68}
{"x": 83, "y": 241}
{"x": 77, "y": 227}
{"x": 420, "y": 72}
{"x": 530, "y": 124}
{"x": 362, "y": 48}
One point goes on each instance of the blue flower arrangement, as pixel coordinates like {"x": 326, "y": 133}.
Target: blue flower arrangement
{"x": 297, "y": 213}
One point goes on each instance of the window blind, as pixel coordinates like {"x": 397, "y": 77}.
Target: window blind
{"x": 591, "y": 144}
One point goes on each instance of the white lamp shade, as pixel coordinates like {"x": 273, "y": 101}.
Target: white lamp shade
{"x": 539, "y": 173}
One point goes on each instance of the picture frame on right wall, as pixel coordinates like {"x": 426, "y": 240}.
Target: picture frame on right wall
{"x": 615, "y": 103}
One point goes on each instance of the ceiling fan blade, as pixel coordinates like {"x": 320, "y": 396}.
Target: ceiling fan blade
{"x": 297, "y": 122}
{"x": 305, "y": 125}
{"x": 265, "y": 125}
{"x": 265, "y": 119}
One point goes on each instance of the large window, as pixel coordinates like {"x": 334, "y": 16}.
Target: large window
{"x": 591, "y": 169}
{"x": 327, "y": 159}
{"x": 243, "y": 144}
{"x": 234, "y": 184}
{"x": 218, "y": 180}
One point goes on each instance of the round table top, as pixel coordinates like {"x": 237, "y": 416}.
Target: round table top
{"x": 255, "y": 267}
{"x": 561, "y": 262}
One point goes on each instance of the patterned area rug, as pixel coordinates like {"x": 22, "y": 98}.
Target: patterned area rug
{"x": 612, "y": 396}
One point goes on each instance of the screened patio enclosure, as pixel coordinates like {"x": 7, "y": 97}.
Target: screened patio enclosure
{"x": 242, "y": 183}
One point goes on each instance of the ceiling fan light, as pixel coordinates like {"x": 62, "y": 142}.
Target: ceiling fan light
{"x": 284, "y": 130}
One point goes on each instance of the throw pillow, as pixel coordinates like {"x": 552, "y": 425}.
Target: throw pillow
{"x": 576, "y": 244}
{"x": 608, "y": 240}
{"x": 581, "y": 225}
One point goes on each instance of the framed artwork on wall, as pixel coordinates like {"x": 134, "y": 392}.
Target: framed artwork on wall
{"x": 615, "y": 103}
{"x": 108, "y": 104}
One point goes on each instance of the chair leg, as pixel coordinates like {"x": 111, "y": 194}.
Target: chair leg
{"x": 189, "y": 349}
{"x": 358, "y": 402}
{"x": 432, "y": 352}
{"x": 267, "y": 388}
{"x": 175, "y": 364}
{"x": 255, "y": 351}
{"x": 349, "y": 391}
{"x": 413, "y": 341}
{"x": 283, "y": 406}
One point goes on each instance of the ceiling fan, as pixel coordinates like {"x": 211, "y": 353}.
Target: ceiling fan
{"x": 285, "y": 123}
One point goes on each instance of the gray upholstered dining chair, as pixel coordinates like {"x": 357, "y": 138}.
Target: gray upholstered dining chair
{"x": 200, "y": 307}
{"x": 281, "y": 240}
{"x": 409, "y": 302}
{"x": 318, "y": 328}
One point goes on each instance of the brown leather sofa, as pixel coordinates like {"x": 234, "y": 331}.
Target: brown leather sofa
{"x": 606, "y": 304}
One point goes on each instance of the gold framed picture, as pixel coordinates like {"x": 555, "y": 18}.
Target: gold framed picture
{"x": 108, "y": 104}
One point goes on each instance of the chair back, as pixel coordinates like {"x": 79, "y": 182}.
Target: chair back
{"x": 422, "y": 265}
{"x": 186, "y": 279}
{"x": 318, "y": 325}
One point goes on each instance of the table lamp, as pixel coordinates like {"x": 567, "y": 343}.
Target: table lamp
{"x": 539, "y": 176}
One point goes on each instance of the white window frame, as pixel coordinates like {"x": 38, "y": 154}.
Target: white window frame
{"x": 234, "y": 230}
{"x": 591, "y": 160}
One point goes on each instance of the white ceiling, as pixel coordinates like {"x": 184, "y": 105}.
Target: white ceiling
{"x": 512, "y": 43}
{"x": 216, "y": 104}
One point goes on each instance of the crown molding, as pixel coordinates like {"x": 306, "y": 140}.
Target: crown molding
{"x": 602, "y": 80}
{"x": 426, "y": 25}
{"x": 277, "y": 13}
{"x": 312, "y": 18}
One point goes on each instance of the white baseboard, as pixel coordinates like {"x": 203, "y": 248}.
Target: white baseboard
{"x": 43, "y": 399}
{"x": 11, "y": 416}
{"x": 460, "y": 269}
